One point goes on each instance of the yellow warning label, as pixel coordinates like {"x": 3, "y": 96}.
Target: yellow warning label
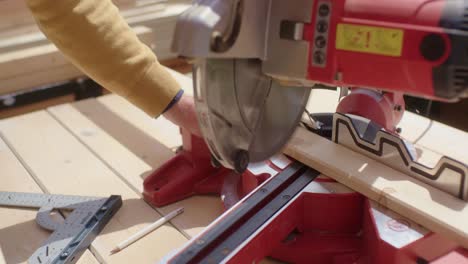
{"x": 376, "y": 40}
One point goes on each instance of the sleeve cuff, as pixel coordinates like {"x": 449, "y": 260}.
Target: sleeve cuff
{"x": 174, "y": 100}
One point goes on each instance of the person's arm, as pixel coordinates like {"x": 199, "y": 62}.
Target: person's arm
{"x": 96, "y": 39}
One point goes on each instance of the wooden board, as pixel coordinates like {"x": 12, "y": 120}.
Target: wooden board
{"x": 409, "y": 197}
{"x": 18, "y": 110}
{"x": 159, "y": 15}
{"x": 116, "y": 131}
{"x": 63, "y": 165}
{"x": 83, "y": 155}
{"x": 15, "y": 13}
{"x": 201, "y": 210}
{"x": 21, "y": 38}
{"x": 19, "y": 233}
{"x": 29, "y": 60}
{"x": 432, "y": 140}
{"x": 43, "y": 64}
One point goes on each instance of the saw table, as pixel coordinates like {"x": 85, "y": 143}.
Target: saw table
{"x": 105, "y": 146}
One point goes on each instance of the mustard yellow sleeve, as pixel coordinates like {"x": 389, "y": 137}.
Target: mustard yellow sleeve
{"x": 96, "y": 39}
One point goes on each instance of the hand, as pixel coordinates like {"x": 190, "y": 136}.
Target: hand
{"x": 183, "y": 114}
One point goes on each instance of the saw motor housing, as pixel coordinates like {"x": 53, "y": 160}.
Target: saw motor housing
{"x": 244, "y": 51}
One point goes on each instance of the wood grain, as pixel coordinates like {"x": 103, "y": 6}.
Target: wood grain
{"x": 20, "y": 236}
{"x": 133, "y": 146}
{"x": 57, "y": 160}
{"x": 18, "y": 110}
{"x": 44, "y": 64}
{"x": 200, "y": 210}
{"x": 116, "y": 131}
{"x": 15, "y": 13}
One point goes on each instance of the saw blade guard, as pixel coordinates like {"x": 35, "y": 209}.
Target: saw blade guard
{"x": 222, "y": 29}
{"x": 244, "y": 115}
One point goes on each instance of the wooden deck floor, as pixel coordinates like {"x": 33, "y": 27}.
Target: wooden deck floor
{"x": 94, "y": 147}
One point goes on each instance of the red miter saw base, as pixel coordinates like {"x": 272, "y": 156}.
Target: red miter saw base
{"x": 345, "y": 228}
{"x": 191, "y": 172}
{"x": 337, "y": 228}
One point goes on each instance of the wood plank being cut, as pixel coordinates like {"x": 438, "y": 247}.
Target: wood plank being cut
{"x": 407, "y": 196}
{"x": 20, "y": 236}
{"x": 61, "y": 164}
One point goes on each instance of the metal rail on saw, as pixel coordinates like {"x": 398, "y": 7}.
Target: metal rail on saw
{"x": 233, "y": 229}
{"x": 69, "y": 239}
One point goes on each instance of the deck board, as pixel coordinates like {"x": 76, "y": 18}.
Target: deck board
{"x": 19, "y": 233}
{"x": 98, "y": 147}
{"x": 65, "y": 166}
{"x": 133, "y": 163}
{"x": 200, "y": 210}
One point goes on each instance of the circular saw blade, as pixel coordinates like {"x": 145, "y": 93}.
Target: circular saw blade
{"x": 244, "y": 115}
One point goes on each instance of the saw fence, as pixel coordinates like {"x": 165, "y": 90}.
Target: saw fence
{"x": 30, "y": 66}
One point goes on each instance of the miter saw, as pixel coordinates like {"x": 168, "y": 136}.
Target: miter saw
{"x": 256, "y": 61}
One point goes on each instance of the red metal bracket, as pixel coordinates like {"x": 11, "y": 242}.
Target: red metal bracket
{"x": 190, "y": 172}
